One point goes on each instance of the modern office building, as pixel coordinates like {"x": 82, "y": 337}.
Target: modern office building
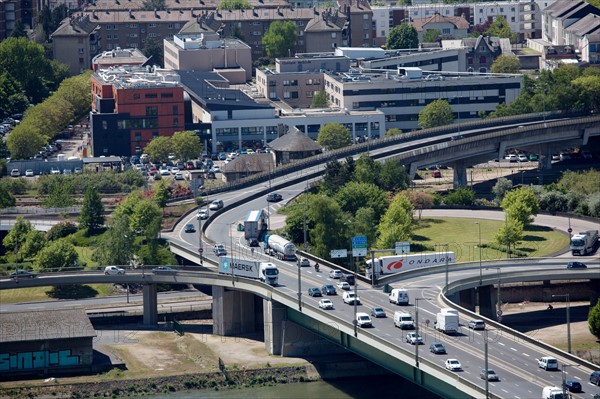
{"x": 207, "y": 52}
{"x": 402, "y": 94}
{"x": 133, "y": 105}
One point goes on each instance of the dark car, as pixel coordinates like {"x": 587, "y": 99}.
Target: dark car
{"x": 572, "y": 386}
{"x": 349, "y": 278}
{"x": 377, "y": 312}
{"x": 576, "y": 265}
{"x": 274, "y": 197}
{"x": 189, "y": 228}
{"x": 314, "y": 292}
{"x": 328, "y": 289}
{"x": 164, "y": 270}
{"x": 22, "y": 274}
{"x": 595, "y": 378}
{"x": 437, "y": 348}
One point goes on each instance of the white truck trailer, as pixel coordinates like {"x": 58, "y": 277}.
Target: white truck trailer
{"x": 401, "y": 263}
{"x": 447, "y": 321}
{"x": 264, "y": 271}
{"x": 584, "y": 242}
{"x": 280, "y": 247}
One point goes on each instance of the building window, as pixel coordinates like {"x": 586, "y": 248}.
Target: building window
{"x": 290, "y": 82}
{"x": 175, "y": 122}
{"x": 446, "y": 31}
{"x": 470, "y": 61}
{"x": 138, "y": 136}
{"x": 153, "y": 25}
{"x": 366, "y": 36}
{"x": 175, "y": 110}
{"x": 81, "y": 60}
{"x": 150, "y": 95}
{"x": 290, "y": 94}
{"x": 80, "y": 40}
{"x": 166, "y": 95}
{"x": 104, "y": 125}
{"x": 151, "y": 111}
{"x": 136, "y": 96}
{"x": 365, "y": 16}
{"x": 154, "y": 135}
{"x": 333, "y": 35}
{"x": 366, "y": 26}
{"x": 482, "y": 59}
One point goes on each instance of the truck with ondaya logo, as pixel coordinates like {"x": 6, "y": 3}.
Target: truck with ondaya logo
{"x": 400, "y": 263}
{"x": 266, "y": 272}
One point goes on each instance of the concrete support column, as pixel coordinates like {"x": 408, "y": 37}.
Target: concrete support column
{"x": 240, "y": 137}
{"x": 595, "y": 291}
{"x": 274, "y": 314}
{"x": 460, "y": 174}
{"x": 150, "y": 304}
{"x": 353, "y": 133}
{"x": 467, "y": 299}
{"x": 545, "y": 157}
{"x": 486, "y": 301}
{"x": 233, "y": 312}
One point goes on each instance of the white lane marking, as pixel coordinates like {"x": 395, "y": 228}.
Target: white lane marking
{"x": 513, "y": 349}
{"x": 504, "y": 390}
{"x": 500, "y": 343}
{"x": 524, "y": 354}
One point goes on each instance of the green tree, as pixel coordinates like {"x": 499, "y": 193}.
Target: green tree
{"x": 116, "y": 245}
{"x": 34, "y": 242}
{"x": 162, "y": 194}
{"x": 506, "y": 64}
{"x": 17, "y": 235}
{"x": 92, "y": 211}
{"x": 12, "y": 93}
{"x": 366, "y": 222}
{"x": 336, "y": 175}
{"x": 319, "y": 100}
{"x": 436, "y": 113}
{"x": 419, "y": 200}
{"x": 7, "y": 199}
{"x": 461, "y": 196}
{"x": 327, "y": 232}
{"x": 501, "y": 28}
{"x": 234, "y": 5}
{"x": 590, "y": 85}
{"x": 355, "y": 195}
{"x": 594, "y": 320}
{"x": 510, "y": 233}
{"x": 431, "y": 35}
{"x": 393, "y": 176}
{"x": 59, "y": 193}
{"x": 502, "y": 186}
{"x": 61, "y": 230}
{"x": 367, "y": 170}
{"x": 153, "y": 49}
{"x": 402, "y": 36}
{"x": 280, "y": 39}
{"x": 521, "y": 204}
{"x": 393, "y": 132}
{"x": 186, "y": 145}
{"x": 396, "y": 223}
{"x": 159, "y": 148}
{"x": 19, "y": 29}
{"x": 76, "y": 92}
{"x": 24, "y": 143}
{"x": 57, "y": 255}
{"x": 146, "y": 219}
{"x": 333, "y": 136}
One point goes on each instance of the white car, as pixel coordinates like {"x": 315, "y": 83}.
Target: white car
{"x": 175, "y": 170}
{"x": 15, "y": 173}
{"x": 216, "y": 205}
{"x": 203, "y": 214}
{"x": 112, "y": 270}
{"x": 511, "y": 158}
{"x": 326, "y": 304}
{"x": 523, "y": 158}
{"x": 215, "y": 169}
{"x": 453, "y": 365}
{"x": 29, "y": 173}
{"x": 343, "y": 285}
{"x": 179, "y": 176}
{"x": 413, "y": 338}
{"x": 164, "y": 172}
{"x": 335, "y": 274}
{"x": 55, "y": 171}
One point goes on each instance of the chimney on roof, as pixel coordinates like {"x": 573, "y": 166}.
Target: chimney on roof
{"x": 315, "y": 11}
{"x": 130, "y": 13}
{"x": 156, "y": 13}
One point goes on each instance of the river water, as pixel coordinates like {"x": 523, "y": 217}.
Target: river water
{"x": 344, "y": 388}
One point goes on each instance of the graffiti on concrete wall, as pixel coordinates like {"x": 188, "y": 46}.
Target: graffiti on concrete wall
{"x": 37, "y": 359}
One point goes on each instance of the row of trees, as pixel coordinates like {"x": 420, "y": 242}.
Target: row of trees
{"x": 184, "y": 145}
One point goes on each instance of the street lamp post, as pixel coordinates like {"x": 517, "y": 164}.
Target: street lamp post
{"x": 568, "y": 300}
{"x": 564, "y": 378}
{"x": 485, "y": 364}
{"x": 417, "y": 330}
{"x": 480, "y": 267}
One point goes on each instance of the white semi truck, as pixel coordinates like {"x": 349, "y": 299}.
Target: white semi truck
{"x": 401, "y": 263}
{"x": 264, "y": 271}
{"x": 280, "y": 247}
{"x": 583, "y": 243}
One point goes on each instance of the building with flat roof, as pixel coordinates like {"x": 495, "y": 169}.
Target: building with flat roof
{"x": 403, "y": 93}
{"x": 133, "y": 105}
{"x": 38, "y": 343}
{"x": 207, "y": 52}
{"x": 119, "y": 57}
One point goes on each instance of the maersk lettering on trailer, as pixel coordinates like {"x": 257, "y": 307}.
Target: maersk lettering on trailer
{"x": 239, "y": 267}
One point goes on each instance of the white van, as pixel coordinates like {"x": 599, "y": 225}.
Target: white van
{"x": 363, "y": 320}
{"x": 403, "y": 320}
{"x": 399, "y": 296}
{"x": 553, "y": 393}
{"x": 349, "y": 297}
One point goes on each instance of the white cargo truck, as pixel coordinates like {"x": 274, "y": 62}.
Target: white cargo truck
{"x": 266, "y": 272}
{"x": 584, "y": 242}
{"x": 553, "y": 393}
{"x": 447, "y": 321}
{"x": 401, "y": 263}
{"x": 399, "y": 296}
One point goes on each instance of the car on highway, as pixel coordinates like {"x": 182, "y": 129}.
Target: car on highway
{"x": 437, "y": 348}
{"x": 350, "y": 298}
{"x": 219, "y": 250}
{"x": 216, "y": 205}
{"x": 378, "y": 312}
{"x": 326, "y": 304}
{"x": 595, "y": 378}
{"x": 313, "y": 291}
{"x": 22, "y": 274}
{"x": 573, "y": 386}
{"x": 29, "y": 173}
{"x": 349, "y": 278}
{"x": 576, "y": 265}
{"x": 363, "y": 320}
{"x": 274, "y": 197}
{"x": 203, "y": 214}
{"x": 477, "y": 324}
{"x": 343, "y": 285}
{"x": 453, "y": 365}
{"x": 414, "y": 338}
{"x": 335, "y": 274}
{"x": 328, "y": 289}
{"x": 303, "y": 262}
{"x": 189, "y": 228}
{"x": 456, "y": 137}
{"x": 113, "y": 270}
{"x": 489, "y": 374}
{"x": 164, "y": 270}
{"x": 547, "y": 363}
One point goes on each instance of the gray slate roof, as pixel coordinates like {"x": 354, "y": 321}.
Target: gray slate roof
{"x": 295, "y": 141}
{"x": 43, "y": 325}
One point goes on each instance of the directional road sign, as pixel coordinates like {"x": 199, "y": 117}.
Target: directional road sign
{"x": 359, "y": 246}
{"x": 402, "y": 247}
{"x": 339, "y": 253}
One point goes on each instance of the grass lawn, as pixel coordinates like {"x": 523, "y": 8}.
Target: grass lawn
{"x": 462, "y": 235}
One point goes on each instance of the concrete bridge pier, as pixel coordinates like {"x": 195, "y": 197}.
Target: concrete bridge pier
{"x": 233, "y": 311}
{"x": 595, "y": 291}
{"x": 467, "y": 299}
{"x": 546, "y": 156}
{"x": 460, "y": 174}
{"x": 486, "y": 299}
{"x": 275, "y": 315}
{"x": 149, "y": 296}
